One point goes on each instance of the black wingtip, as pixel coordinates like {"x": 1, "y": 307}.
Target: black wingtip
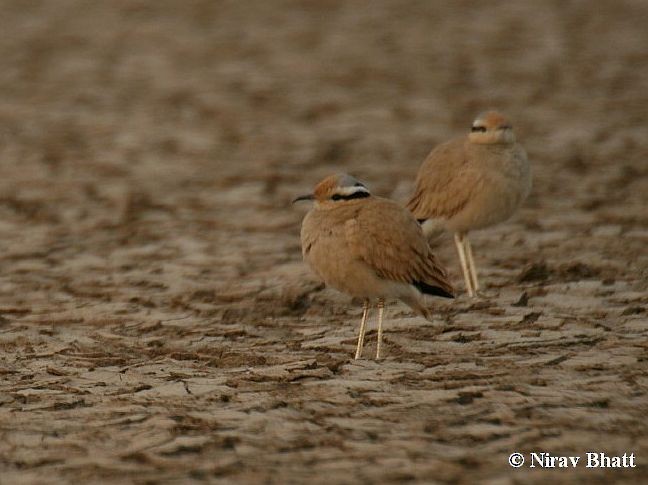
{"x": 432, "y": 290}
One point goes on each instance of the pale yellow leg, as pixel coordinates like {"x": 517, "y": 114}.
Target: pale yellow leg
{"x": 471, "y": 265}
{"x": 459, "y": 242}
{"x": 363, "y": 327}
{"x": 381, "y": 308}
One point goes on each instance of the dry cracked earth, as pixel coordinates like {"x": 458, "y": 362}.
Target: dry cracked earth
{"x": 157, "y": 323}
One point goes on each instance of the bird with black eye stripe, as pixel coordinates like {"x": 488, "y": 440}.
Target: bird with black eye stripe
{"x": 472, "y": 182}
{"x": 370, "y": 248}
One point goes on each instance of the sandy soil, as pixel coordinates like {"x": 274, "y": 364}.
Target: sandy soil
{"x": 157, "y": 324}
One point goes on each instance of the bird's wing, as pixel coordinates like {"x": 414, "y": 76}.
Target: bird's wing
{"x": 387, "y": 238}
{"x": 446, "y": 182}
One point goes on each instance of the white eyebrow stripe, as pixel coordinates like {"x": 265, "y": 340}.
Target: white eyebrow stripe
{"x": 351, "y": 190}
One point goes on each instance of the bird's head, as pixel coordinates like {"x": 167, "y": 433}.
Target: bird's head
{"x": 336, "y": 189}
{"x": 491, "y": 128}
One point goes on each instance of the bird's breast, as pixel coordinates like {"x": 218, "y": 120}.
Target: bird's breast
{"x": 327, "y": 252}
{"x": 505, "y": 181}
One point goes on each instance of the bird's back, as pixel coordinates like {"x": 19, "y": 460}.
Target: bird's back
{"x": 438, "y": 191}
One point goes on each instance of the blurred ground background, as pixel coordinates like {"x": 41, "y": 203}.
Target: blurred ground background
{"x": 157, "y": 324}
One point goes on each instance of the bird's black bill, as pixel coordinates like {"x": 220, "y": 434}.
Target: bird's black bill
{"x": 304, "y": 197}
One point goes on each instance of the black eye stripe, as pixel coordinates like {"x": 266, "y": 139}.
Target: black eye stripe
{"x": 478, "y": 128}
{"x": 358, "y": 184}
{"x": 354, "y": 195}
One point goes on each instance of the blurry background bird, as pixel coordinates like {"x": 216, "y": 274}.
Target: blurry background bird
{"x": 472, "y": 182}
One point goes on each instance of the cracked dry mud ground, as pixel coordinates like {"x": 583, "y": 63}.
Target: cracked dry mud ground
{"x": 157, "y": 324}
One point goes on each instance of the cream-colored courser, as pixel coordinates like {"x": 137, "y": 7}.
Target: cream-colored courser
{"x": 370, "y": 248}
{"x": 472, "y": 182}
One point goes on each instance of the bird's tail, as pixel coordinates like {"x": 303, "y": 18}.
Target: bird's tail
{"x": 417, "y": 304}
{"x": 434, "y": 280}
{"x": 438, "y": 288}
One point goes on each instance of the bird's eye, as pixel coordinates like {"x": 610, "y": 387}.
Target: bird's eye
{"x": 336, "y": 197}
{"x": 478, "y": 129}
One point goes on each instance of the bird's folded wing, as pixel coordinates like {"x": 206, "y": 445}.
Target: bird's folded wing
{"x": 388, "y": 239}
